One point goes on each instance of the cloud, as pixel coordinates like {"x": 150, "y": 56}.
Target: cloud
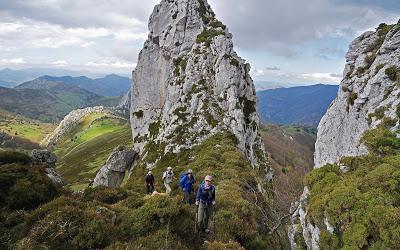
{"x": 282, "y": 27}
{"x": 322, "y": 77}
{"x": 111, "y": 64}
{"x": 60, "y": 63}
{"x": 274, "y": 68}
{"x": 12, "y": 61}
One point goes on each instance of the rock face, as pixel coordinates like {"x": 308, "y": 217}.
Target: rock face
{"x": 368, "y": 96}
{"x": 48, "y": 160}
{"x": 189, "y": 84}
{"x": 125, "y": 102}
{"x": 113, "y": 172}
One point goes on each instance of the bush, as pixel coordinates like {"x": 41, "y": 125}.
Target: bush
{"x": 71, "y": 224}
{"x": 379, "y": 67}
{"x": 106, "y": 195}
{"x": 14, "y": 157}
{"x": 351, "y": 98}
{"x": 24, "y": 187}
{"x": 362, "y": 204}
{"x": 391, "y": 72}
{"x": 207, "y": 35}
{"x": 381, "y": 141}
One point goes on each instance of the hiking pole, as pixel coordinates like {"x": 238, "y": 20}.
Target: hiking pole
{"x": 215, "y": 232}
{"x": 195, "y": 221}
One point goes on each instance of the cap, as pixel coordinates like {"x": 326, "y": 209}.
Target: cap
{"x": 190, "y": 171}
{"x": 149, "y": 172}
{"x": 208, "y": 178}
{"x": 169, "y": 168}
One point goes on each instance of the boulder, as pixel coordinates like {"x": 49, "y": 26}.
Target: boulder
{"x": 113, "y": 172}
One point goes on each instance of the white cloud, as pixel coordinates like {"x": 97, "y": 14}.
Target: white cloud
{"x": 12, "y": 61}
{"x": 322, "y": 77}
{"x": 60, "y": 63}
{"x": 111, "y": 64}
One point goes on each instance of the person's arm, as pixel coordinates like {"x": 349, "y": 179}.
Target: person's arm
{"x": 198, "y": 196}
{"x": 213, "y": 196}
{"x": 164, "y": 175}
{"x": 182, "y": 182}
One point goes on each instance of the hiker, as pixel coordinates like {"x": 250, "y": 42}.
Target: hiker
{"x": 150, "y": 182}
{"x": 205, "y": 199}
{"x": 186, "y": 183}
{"x": 168, "y": 177}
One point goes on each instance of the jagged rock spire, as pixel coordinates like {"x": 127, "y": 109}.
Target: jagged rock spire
{"x": 189, "y": 83}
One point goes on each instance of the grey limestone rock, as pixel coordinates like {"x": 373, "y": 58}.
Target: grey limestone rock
{"x": 113, "y": 172}
{"x": 48, "y": 160}
{"x": 189, "y": 84}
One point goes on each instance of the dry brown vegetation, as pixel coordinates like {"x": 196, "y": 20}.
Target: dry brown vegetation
{"x": 290, "y": 151}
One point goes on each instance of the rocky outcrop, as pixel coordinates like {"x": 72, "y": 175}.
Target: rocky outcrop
{"x": 113, "y": 172}
{"x": 189, "y": 83}
{"x": 47, "y": 159}
{"x": 72, "y": 120}
{"x": 368, "y": 97}
{"x": 125, "y": 102}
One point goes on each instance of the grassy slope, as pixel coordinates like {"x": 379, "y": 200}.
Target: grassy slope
{"x": 159, "y": 222}
{"x": 86, "y": 148}
{"x": 291, "y": 153}
{"x": 24, "y": 127}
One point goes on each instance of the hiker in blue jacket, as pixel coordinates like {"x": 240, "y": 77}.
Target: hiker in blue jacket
{"x": 205, "y": 199}
{"x": 186, "y": 183}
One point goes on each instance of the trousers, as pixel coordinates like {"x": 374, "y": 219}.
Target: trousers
{"x": 204, "y": 213}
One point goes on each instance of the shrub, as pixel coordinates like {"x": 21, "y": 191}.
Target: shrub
{"x": 24, "y": 187}
{"x": 180, "y": 64}
{"x": 207, "y": 35}
{"x": 391, "y": 73}
{"x": 351, "y": 98}
{"x": 217, "y": 24}
{"x": 369, "y": 60}
{"x": 234, "y": 62}
{"x": 138, "y": 114}
{"x": 381, "y": 141}
{"x": 71, "y": 224}
{"x": 363, "y": 202}
{"x": 398, "y": 110}
{"x": 14, "y": 157}
{"x": 106, "y": 195}
{"x": 379, "y": 67}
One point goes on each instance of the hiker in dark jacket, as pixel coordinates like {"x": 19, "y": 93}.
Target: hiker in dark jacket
{"x": 150, "y": 182}
{"x": 205, "y": 199}
{"x": 186, "y": 183}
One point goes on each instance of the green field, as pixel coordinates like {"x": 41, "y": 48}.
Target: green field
{"x": 85, "y": 149}
{"x": 23, "y": 127}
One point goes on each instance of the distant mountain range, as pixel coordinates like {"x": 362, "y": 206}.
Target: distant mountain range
{"x": 303, "y": 105}
{"x": 110, "y": 85}
{"x": 50, "y": 103}
{"x": 16, "y": 77}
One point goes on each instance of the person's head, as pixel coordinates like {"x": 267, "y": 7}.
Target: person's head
{"x": 169, "y": 169}
{"x": 190, "y": 172}
{"x": 149, "y": 173}
{"x": 207, "y": 180}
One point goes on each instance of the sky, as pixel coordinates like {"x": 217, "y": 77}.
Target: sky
{"x": 285, "y": 41}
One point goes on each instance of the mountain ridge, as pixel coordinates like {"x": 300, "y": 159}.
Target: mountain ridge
{"x": 110, "y": 85}
{"x": 298, "y": 105}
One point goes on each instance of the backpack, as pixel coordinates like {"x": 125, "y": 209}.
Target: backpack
{"x": 182, "y": 177}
